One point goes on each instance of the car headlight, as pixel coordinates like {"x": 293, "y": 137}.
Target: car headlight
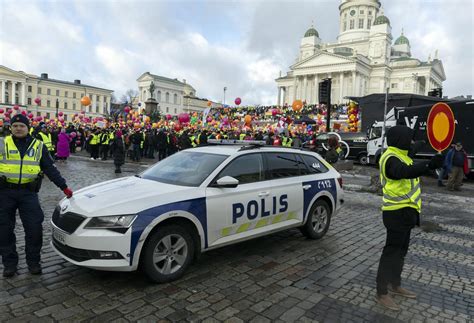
{"x": 111, "y": 222}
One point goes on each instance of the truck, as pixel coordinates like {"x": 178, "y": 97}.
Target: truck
{"x": 416, "y": 117}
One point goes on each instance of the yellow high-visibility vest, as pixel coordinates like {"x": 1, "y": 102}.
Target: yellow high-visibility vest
{"x": 94, "y": 140}
{"x": 48, "y": 142}
{"x": 19, "y": 170}
{"x": 401, "y": 193}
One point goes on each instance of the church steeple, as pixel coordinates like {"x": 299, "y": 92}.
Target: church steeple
{"x": 356, "y": 18}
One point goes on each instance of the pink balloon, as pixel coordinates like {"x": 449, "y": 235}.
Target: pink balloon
{"x": 168, "y": 117}
{"x": 183, "y": 118}
{"x": 39, "y": 118}
{"x": 61, "y": 119}
{"x": 238, "y": 101}
{"x": 38, "y": 101}
{"x": 274, "y": 112}
{"x": 127, "y": 109}
{"x": 60, "y": 114}
{"x": 73, "y": 134}
{"x": 24, "y": 112}
{"x": 30, "y": 115}
{"x": 16, "y": 107}
{"x": 1, "y": 111}
{"x": 7, "y": 119}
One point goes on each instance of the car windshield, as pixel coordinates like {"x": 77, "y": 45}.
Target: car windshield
{"x": 186, "y": 168}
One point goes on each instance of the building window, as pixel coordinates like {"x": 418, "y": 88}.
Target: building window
{"x": 96, "y": 108}
{"x": 82, "y": 95}
{"x": 370, "y": 13}
{"x": 65, "y": 105}
{"x": 48, "y": 115}
{"x": 175, "y": 99}
{"x": 17, "y": 99}
{"x": 48, "y": 91}
{"x": 158, "y": 96}
{"x": 369, "y": 23}
{"x": 394, "y": 85}
{"x": 48, "y": 103}
{"x": 73, "y": 95}
{"x": 39, "y": 90}
{"x": 175, "y": 110}
{"x": 361, "y": 23}
{"x": 167, "y": 109}
{"x": 74, "y": 106}
{"x": 345, "y": 26}
{"x": 65, "y": 94}
{"x": 29, "y": 88}
{"x": 167, "y": 97}
{"x": 29, "y": 101}
{"x": 351, "y": 26}
{"x": 65, "y": 117}
{"x": 362, "y": 12}
{"x": 57, "y": 92}
{"x": 38, "y": 114}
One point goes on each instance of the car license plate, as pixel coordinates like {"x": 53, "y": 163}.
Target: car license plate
{"x": 59, "y": 236}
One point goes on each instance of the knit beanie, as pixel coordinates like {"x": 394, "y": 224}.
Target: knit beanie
{"x": 20, "y": 118}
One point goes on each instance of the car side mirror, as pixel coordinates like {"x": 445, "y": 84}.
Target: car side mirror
{"x": 227, "y": 182}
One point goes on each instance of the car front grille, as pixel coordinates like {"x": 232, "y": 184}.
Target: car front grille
{"x": 72, "y": 253}
{"x": 68, "y": 221}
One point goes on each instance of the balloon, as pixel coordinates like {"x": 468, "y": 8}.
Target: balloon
{"x": 126, "y": 109}
{"x": 274, "y": 112}
{"x": 297, "y": 105}
{"x": 39, "y": 118}
{"x": 85, "y": 101}
{"x": 183, "y": 118}
{"x": 1, "y": 111}
{"x": 24, "y": 112}
{"x": 78, "y": 142}
{"x": 209, "y": 103}
{"x": 61, "y": 119}
{"x": 38, "y": 101}
{"x": 30, "y": 115}
{"x": 209, "y": 119}
{"x": 248, "y": 119}
{"x": 83, "y": 112}
{"x": 60, "y": 114}
{"x": 168, "y": 117}
{"x": 16, "y": 107}
{"x": 238, "y": 101}
{"x": 73, "y": 134}
{"x": 177, "y": 127}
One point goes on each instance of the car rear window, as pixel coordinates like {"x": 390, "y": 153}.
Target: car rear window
{"x": 314, "y": 165}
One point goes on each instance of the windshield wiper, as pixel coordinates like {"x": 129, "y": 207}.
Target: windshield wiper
{"x": 136, "y": 175}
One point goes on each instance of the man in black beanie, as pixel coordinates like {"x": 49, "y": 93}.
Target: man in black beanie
{"x": 23, "y": 160}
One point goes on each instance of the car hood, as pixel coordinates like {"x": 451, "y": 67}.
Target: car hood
{"x": 127, "y": 195}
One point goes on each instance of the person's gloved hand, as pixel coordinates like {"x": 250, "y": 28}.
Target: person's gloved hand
{"x": 68, "y": 192}
{"x": 436, "y": 161}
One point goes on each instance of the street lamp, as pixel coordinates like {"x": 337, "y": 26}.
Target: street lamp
{"x": 225, "y": 89}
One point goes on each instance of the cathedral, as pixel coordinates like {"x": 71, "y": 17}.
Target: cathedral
{"x": 364, "y": 60}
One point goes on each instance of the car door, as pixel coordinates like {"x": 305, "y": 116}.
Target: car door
{"x": 232, "y": 213}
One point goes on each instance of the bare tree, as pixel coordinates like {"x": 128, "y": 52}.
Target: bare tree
{"x": 129, "y": 96}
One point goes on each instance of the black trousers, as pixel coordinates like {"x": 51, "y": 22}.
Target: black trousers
{"x": 94, "y": 151}
{"x": 399, "y": 224}
{"x": 104, "y": 151}
{"x": 32, "y": 218}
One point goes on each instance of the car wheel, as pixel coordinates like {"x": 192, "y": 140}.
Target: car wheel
{"x": 319, "y": 219}
{"x": 168, "y": 253}
{"x": 363, "y": 159}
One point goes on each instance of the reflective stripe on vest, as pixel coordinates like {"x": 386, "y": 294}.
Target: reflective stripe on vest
{"x": 46, "y": 138}
{"x": 398, "y": 194}
{"x": 15, "y": 169}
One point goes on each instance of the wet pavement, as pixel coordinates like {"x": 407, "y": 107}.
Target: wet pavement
{"x": 282, "y": 277}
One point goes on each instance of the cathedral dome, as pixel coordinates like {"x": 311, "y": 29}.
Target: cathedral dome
{"x": 311, "y": 32}
{"x": 402, "y": 40}
{"x": 380, "y": 20}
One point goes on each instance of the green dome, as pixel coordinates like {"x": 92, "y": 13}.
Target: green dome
{"x": 380, "y": 20}
{"x": 311, "y": 32}
{"x": 402, "y": 40}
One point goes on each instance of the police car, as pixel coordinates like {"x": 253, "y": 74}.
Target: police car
{"x": 194, "y": 201}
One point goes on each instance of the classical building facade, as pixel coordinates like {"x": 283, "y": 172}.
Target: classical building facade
{"x": 20, "y": 88}
{"x": 173, "y": 96}
{"x": 362, "y": 61}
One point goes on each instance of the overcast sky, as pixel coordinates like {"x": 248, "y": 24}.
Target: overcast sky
{"x": 242, "y": 45}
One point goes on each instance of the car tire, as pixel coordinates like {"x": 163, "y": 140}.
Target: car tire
{"x": 168, "y": 253}
{"x": 319, "y": 219}
{"x": 362, "y": 159}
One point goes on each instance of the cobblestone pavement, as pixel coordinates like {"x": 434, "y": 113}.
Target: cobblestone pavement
{"x": 283, "y": 277}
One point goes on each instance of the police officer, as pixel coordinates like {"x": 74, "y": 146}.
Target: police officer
{"x": 401, "y": 209}
{"x": 23, "y": 159}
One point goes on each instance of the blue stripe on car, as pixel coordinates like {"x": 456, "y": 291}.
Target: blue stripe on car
{"x": 197, "y": 207}
{"x": 316, "y": 187}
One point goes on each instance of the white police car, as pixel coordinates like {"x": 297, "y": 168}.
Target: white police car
{"x": 193, "y": 201}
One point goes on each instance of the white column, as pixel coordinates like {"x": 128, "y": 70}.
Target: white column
{"x": 3, "y": 91}
{"x": 295, "y": 82}
{"x": 12, "y": 100}
{"x": 305, "y": 88}
{"x": 353, "y": 82}
{"x": 279, "y": 96}
{"x": 316, "y": 89}
{"x": 357, "y": 82}
{"x": 94, "y": 103}
{"x": 23, "y": 93}
{"x": 341, "y": 87}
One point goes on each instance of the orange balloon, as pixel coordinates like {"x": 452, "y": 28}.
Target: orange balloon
{"x": 297, "y": 105}
{"x": 247, "y": 119}
{"x": 85, "y": 101}
{"x": 209, "y": 103}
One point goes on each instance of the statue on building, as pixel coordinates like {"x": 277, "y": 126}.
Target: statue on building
{"x": 152, "y": 89}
